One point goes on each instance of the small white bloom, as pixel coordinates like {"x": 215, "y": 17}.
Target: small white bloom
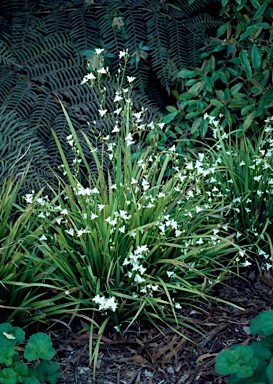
{"x": 102, "y": 70}
{"x": 70, "y": 231}
{"x": 43, "y": 237}
{"x": 102, "y": 112}
{"x": 29, "y": 198}
{"x": 117, "y": 111}
{"x": 258, "y": 178}
{"x": 89, "y": 76}
{"x": 139, "y": 279}
{"x": 41, "y": 215}
{"x": 130, "y": 79}
{"x": 59, "y": 219}
{"x": 99, "y": 50}
{"x": 246, "y": 263}
{"x": 122, "y": 54}
{"x": 172, "y": 149}
{"x": 117, "y": 98}
{"x": 64, "y": 212}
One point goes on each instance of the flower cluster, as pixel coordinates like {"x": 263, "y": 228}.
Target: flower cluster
{"x": 105, "y": 304}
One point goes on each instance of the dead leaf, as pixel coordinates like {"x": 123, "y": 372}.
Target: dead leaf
{"x": 205, "y": 356}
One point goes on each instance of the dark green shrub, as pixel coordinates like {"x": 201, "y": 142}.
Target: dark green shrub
{"x": 234, "y": 82}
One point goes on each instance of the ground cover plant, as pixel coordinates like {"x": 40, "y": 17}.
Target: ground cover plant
{"x": 250, "y": 363}
{"x": 38, "y": 349}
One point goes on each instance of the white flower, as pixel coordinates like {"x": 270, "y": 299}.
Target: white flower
{"x": 99, "y": 50}
{"x": 42, "y": 215}
{"x": 117, "y": 98}
{"x": 102, "y": 112}
{"x": 101, "y": 206}
{"x": 70, "y": 231}
{"x": 102, "y": 71}
{"x": 134, "y": 181}
{"x": 29, "y": 198}
{"x": 139, "y": 279}
{"x": 59, "y": 219}
{"x": 122, "y": 54}
{"x": 105, "y": 304}
{"x": 64, "y": 212}
{"x": 242, "y": 163}
{"x": 93, "y": 216}
{"x": 89, "y": 76}
{"x": 122, "y": 229}
{"x": 43, "y": 237}
{"x": 198, "y": 209}
{"x": 129, "y": 140}
{"x": 258, "y": 178}
{"x": 130, "y": 79}
{"x": 145, "y": 185}
{"x": 161, "y": 125}
{"x": 246, "y": 263}
{"x": 117, "y": 111}
{"x": 177, "y": 306}
{"x": 172, "y": 149}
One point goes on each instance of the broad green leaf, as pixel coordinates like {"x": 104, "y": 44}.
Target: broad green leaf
{"x": 245, "y": 62}
{"x": 8, "y": 376}
{"x": 265, "y": 99}
{"x": 260, "y": 11}
{"x": 48, "y": 370}
{"x": 39, "y": 346}
{"x": 170, "y": 108}
{"x": 186, "y": 73}
{"x": 246, "y": 109}
{"x": 262, "y": 324}
{"x": 6, "y": 354}
{"x": 11, "y": 334}
{"x": 32, "y": 380}
{"x": 256, "y": 56}
{"x": 21, "y": 370}
{"x": 222, "y": 29}
{"x": 195, "y": 88}
{"x": 216, "y": 103}
{"x": 269, "y": 371}
{"x": 261, "y": 352}
{"x": 255, "y": 3}
{"x": 248, "y": 121}
{"x": 262, "y": 25}
{"x": 236, "y": 88}
{"x": 192, "y": 114}
{"x": 167, "y": 119}
{"x": 247, "y": 32}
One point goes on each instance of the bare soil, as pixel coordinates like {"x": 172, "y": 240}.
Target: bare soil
{"x": 147, "y": 356}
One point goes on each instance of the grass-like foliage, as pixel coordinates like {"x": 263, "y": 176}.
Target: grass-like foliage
{"x": 134, "y": 244}
{"x": 38, "y": 349}
{"x": 250, "y": 363}
{"x": 244, "y": 178}
{"x": 20, "y": 267}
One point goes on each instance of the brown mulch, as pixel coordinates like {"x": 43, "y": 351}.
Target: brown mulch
{"x": 147, "y": 356}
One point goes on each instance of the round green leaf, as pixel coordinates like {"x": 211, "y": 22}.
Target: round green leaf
{"x": 39, "y": 346}
{"x": 262, "y": 324}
